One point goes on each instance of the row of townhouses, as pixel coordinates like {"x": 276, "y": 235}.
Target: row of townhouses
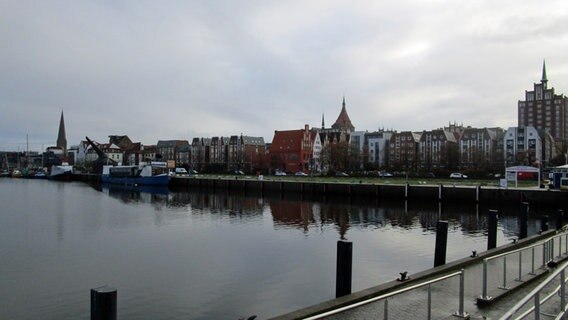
{"x": 539, "y": 139}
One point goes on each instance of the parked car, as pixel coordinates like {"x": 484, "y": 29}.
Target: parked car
{"x": 341, "y": 174}
{"x": 239, "y": 172}
{"x": 181, "y": 172}
{"x": 457, "y": 175}
{"x": 279, "y": 173}
{"x": 384, "y": 174}
{"x": 301, "y": 174}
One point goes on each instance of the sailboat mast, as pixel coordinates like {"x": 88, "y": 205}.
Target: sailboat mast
{"x": 27, "y": 152}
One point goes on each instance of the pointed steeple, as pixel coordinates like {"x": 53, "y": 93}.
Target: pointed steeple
{"x": 544, "y": 79}
{"x": 61, "y": 140}
{"x": 322, "y": 121}
{"x": 343, "y": 122}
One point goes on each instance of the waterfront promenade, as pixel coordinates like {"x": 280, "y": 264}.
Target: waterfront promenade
{"x": 507, "y": 283}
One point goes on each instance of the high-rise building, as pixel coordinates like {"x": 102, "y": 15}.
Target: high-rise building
{"x": 545, "y": 110}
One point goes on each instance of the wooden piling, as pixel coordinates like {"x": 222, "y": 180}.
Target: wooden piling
{"x": 441, "y": 243}
{"x": 523, "y": 220}
{"x": 492, "y": 229}
{"x": 344, "y": 268}
{"x": 103, "y": 303}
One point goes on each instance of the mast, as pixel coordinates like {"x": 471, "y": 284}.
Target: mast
{"x": 27, "y": 152}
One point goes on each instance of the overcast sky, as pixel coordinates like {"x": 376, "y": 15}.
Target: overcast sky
{"x": 159, "y": 70}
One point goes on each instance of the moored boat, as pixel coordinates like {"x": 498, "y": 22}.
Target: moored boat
{"x": 16, "y": 173}
{"x": 40, "y": 174}
{"x": 61, "y": 172}
{"x": 152, "y": 174}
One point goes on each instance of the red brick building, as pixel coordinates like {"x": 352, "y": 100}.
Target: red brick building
{"x": 291, "y": 150}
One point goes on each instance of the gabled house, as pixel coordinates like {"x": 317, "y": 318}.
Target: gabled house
{"x": 217, "y": 152}
{"x": 315, "y": 164}
{"x": 528, "y": 146}
{"x": 291, "y": 150}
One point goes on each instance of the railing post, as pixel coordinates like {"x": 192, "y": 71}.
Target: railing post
{"x": 551, "y": 249}
{"x": 492, "y": 230}
{"x": 532, "y": 262}
{"x": 429, "y": 316}
{"x": 560, "y": 245}
{"x": 523, "y": 220}
{"x": 504, "y": 273}
{"x": 537, "y": 306}
{"x": 441, "y": 243}
{"x": 344, "y": 268}
{"x": 520, "y": 266}
{"x": 386, "y": 309}
{"x": 461, "y": 313}
{"x": 563, "y": 291}
{"x": 484, "y": 295}
{"x": 103, "y": 303}
{"x": 544, "y": 251}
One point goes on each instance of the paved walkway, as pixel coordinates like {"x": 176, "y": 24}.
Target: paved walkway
{"x": 513, "y": 271}
{"x": 445, "y": 295}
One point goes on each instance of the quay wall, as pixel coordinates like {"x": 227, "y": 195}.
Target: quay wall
{"x": 471, "y": 194}
{"x": 450, "y": 192}
{"x": 86, "y": 177}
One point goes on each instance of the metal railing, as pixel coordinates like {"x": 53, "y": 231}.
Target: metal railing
{"x": 559, "y": 311}
{"x": 548, "y": 251}
{"x": 460, "y": 313}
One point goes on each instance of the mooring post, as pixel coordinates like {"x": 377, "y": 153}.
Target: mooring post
{"x": 477, "y": 191}
{"x": 441, "y": 243}
{"x": 344, "y": 268}
{"x": 544, "y": 223}
{"x": 523, "y": 220}
{"x": 559, "y": 219}
{"x": 492, "y": 230}
{"x": 103, "y": 303}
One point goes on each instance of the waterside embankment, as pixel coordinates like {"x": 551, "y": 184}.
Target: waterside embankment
{"x": 441, "y": 192}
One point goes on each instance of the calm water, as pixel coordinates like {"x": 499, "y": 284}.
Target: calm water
{"x": 186, "y": 255}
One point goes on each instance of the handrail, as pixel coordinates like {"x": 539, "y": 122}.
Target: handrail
{"x": 535, "y": 293}
{"x": 536, "y": 244}
{"x": 390, "y": 294}
{"x": 547, "y": 255}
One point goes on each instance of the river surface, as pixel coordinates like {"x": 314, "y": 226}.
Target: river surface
{"x": 192, "y": 255}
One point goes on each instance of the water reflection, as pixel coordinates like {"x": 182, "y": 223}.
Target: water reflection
{"x": 344, "y": 213}
{"x": 220, "y": 254}
{"x": 137, "y": 194}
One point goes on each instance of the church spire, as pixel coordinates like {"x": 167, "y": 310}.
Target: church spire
{"x": 343, "y": 122}
{"x": 544, "y": 80}
{"x": 61, "y": 140}
{"x": 322, "y": 121}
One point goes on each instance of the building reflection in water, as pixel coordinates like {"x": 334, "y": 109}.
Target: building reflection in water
{"x": 341, "y": 212}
